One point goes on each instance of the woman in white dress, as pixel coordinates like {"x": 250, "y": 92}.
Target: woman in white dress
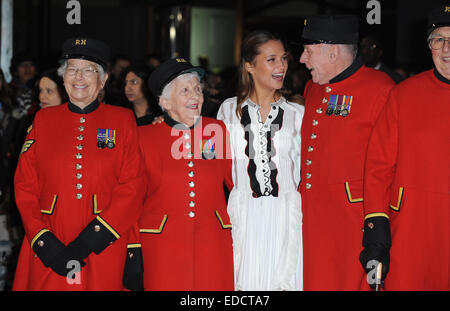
{"x": 264, "y": 205}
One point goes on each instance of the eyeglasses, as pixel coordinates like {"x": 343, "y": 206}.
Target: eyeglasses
{"x": 85, "y": 72}
{"x": 438, "y": 42}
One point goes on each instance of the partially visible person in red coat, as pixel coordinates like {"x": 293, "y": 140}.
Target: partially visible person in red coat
{"x": 406, "y": 184}
{"x": 79, "y": 183}
{"x": 342, "y": 103}
{"x": 185, "y": 229}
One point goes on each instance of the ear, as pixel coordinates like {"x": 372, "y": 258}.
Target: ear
{"x": 333, "y": 52}
{"x": 104, "y": 80}
{"x": 165, "y": 103}
{"x": 249, "y": 67}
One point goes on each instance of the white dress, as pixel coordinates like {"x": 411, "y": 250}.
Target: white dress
{"x": 264, "y": 205}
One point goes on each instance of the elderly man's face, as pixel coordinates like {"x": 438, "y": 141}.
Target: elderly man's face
{"x": 441, "y": 57}
{"x": 315, "y": 57}
{"x": 82, "y": 81}
{"x": 185, "y": 101}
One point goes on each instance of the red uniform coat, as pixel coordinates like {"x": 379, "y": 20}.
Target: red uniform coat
{"x": 64, "y": 180}
{"x": 333, "y": 154}
{"x": 185, "y": 228}
{"x": 407, "y": 178}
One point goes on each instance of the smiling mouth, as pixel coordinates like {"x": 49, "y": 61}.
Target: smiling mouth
{"x": 80, "y": 87}
{"x": 278, "y": 76}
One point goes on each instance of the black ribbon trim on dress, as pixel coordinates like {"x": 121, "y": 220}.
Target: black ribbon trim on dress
{"x": 250, "y": 152}
{"x": 275, "y": 126}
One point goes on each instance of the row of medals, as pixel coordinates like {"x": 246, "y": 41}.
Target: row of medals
{"x": 331, "y": 110}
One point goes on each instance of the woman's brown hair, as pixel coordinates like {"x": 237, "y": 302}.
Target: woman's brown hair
{"x": 250, "y": 48}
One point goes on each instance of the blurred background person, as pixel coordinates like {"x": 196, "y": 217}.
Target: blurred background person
{"x": 153, "y": 60}
{"x": 113, "y": 87}
{"x": 140, "y": 99}
{"x": 7, "y": 262}
{"x": 51, "y": 89}
{"x": 371, "y": 51}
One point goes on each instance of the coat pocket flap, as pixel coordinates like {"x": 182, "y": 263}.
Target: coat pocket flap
{"x": 48, "y": 203}
{"x": 354, "y": 191}
{"x": 153, "y": 223}
{"x": 224, "y": 219}
{"x": 396, "y": 198}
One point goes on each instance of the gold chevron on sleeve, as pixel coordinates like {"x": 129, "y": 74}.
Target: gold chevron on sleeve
{"x": 26, "y": 145}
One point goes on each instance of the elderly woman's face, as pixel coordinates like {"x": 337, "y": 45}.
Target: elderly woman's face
{"x": 82, "y": 81}
{"x": 185, "y": 101}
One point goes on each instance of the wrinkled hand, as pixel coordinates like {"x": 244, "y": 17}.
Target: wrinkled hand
{"x": 158, "y": 120}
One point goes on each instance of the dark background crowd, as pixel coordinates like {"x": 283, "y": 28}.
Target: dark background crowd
{"x": 21, "y": 97}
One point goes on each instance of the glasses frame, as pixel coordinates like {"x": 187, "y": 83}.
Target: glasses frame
{"x": 85, "y": 72}
{"x": 446, "y": 39}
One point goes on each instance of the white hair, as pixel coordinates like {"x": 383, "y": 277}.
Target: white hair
{"x": 347, "y": 49}
{"x": 167, "y": 90}
{"x": 351, "y": 49}
{"x": 63, "y": 67}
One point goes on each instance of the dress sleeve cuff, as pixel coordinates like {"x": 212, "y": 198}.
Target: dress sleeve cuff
{"x": 46, "y": 246}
